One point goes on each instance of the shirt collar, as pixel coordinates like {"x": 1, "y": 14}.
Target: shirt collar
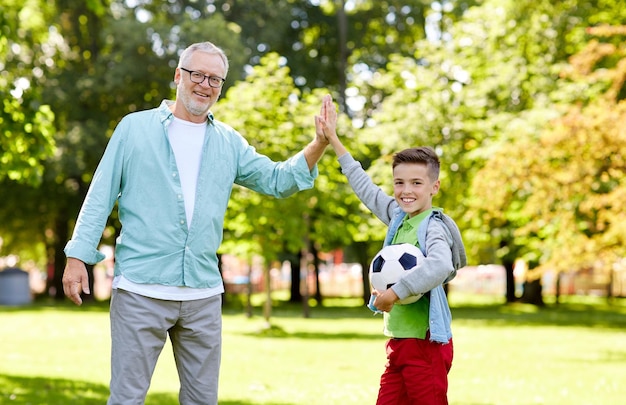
{"x": 166, "y": 114}
{"x": 413, "y": 223}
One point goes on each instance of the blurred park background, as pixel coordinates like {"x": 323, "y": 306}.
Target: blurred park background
{"x": 523, "y": 100}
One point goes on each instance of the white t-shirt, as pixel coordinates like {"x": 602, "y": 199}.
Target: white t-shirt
{"x": 186, "y": 140}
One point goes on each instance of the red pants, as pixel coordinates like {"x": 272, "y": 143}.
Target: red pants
{"x": 416, "y": 373}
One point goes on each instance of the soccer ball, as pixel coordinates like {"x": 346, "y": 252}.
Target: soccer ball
{"x": 391, "y": 264}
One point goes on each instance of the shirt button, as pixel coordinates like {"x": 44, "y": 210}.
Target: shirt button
{"x": 174, "y": 174}
{"x": 182, "y": 222}
{"x": 180, "y": 196}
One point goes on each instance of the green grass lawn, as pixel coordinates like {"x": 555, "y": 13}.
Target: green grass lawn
{"x": 574, "y": 353}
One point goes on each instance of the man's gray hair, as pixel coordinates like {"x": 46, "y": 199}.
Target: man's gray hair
{"x": 206, "y": 47}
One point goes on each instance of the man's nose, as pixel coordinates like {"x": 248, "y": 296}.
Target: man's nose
{"x": 205, "y": 82}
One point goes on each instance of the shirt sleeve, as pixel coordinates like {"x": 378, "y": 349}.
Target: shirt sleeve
{"x": 435, "y": 269}
{"x": 279, "y": 179}
{"x": 101, "y": 196}
{"x": 374, "y": 198}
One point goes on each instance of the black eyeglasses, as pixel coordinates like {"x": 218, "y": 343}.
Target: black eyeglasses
{"x": 198, "y": 77}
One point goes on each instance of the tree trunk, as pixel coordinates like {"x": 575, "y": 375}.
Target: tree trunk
{"x": 219, "y": 268}
{"x": 557, "y": 288}
{"x": 609, "y": 286}
{"x": 50, "y": 270}
{"x": 304, "y": 270}
{"x": 360, "y": 251}
{"x": 61, "y": 235}
{"x": 267, "y": 308}
{"x": 89, "y": 297}
{"x": 249, "y": 291}
{"x": 342, "y": 23}
{"x": 316, "y": 266}
{"x": 295, "y": 293}
{"x": 533, "y": 292}
{"x": 509, "y": 267}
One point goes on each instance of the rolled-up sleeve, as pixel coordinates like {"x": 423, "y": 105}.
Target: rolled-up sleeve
{"x": 101, "y": 196}
{"x": 278, "y": 179}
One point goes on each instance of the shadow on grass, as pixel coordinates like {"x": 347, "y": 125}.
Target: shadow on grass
{"x": 43, "y": 304}
{"x": 496, "y": 313}
{"x": 599, "y": 315}
{"x": 20, "y": 390}
{"x": 40, "y": 390}
{"x": 275, "y": 331}
{"x": 519, "y": 314}
{"x": 285, "y": 310}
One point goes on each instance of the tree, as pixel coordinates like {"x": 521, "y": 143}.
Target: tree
{"x": 26, "y": 122}
{"x": 106, "y": 63}
{"x": 469, "y": 92}
{"x": 471, "y": 78}
{"x": 564, "y": 185}
{"x": 277, "y": 119}
{"x": 324, "y": 42}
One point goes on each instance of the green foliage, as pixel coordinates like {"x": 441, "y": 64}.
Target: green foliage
{"x": 480, "y": 94}
{"x": 26, "y": 139}
{"x": 278, "y": 120}
{"x": 107, "y": 63}
{"x": 563, "y": 187}
{"x": 27, "y": 134}
{"x": 484, "y": 82}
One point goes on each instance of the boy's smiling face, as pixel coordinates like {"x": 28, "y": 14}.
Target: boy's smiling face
{"x": 413, "y": 188}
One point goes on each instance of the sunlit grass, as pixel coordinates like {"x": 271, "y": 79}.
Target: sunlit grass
{"x": 504, "y": 354}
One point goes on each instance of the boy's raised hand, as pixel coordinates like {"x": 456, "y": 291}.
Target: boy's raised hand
{"x": 326, "y": 122}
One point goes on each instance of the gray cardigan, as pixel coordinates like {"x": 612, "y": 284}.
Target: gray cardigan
{"x": 439, "y": 239}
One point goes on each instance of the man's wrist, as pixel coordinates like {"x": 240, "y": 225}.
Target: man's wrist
{"x": 318, "y": 144}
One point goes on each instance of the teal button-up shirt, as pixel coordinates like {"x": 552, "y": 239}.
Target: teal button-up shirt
{"x": 138, "y": 171}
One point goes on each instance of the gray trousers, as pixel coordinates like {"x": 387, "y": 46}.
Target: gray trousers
{"x": 139, "y": 328}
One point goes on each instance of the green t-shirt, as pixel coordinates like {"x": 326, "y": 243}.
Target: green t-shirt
{"x": 410, "y": 320}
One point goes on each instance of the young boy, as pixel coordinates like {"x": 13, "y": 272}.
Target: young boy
{"x": 419, "y": 349}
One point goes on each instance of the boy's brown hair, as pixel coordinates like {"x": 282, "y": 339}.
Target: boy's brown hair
{"x": 423, "y": 155}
